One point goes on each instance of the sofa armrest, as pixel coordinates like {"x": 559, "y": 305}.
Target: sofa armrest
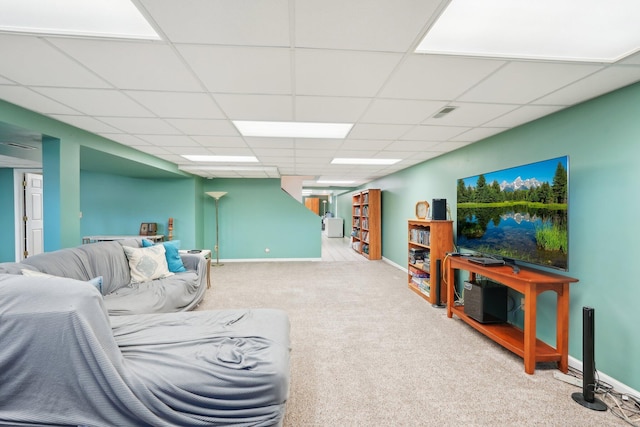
{"x": 191, "y": 261}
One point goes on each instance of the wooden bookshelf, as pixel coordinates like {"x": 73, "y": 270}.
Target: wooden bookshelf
{"x": 434, "y": 239}
{"x": 366, "y": 232}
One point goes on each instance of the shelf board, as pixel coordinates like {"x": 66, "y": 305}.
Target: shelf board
{"x": 418, "y": 291}
{"x": 509, "y": 337}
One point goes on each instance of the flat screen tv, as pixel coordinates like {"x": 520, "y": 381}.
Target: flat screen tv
{"x": 517, "y": 214}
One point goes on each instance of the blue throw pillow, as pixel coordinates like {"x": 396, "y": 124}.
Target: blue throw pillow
{"x": 171, "y": 253}
{"x": 97, "y": 282}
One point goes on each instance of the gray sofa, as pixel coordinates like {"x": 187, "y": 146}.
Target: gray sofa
{"x": 181, "y": 291}
{"x": 65, "y": 361}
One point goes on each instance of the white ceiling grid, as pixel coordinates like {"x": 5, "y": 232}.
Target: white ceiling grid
{"x": 290, "y": 60}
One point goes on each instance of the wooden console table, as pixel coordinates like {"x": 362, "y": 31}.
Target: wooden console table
{"x": 530, "y": 283}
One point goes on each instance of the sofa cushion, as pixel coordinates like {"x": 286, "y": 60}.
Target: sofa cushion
{"x": 174, "y": 261}
{"x": 147, "y": 264}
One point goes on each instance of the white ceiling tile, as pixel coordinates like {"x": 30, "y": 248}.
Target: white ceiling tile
{"x": 204, "y": 127}
{"x": 401, "y": 111}
{"x": 604, "y": 81}
{"x": 220, "y": 141}
{"x": 342, "y": 73}
{"x": 27, "y": 60}
{"x": 4, "y": 81}
{"x": 522, "y": 115}
{"x": 169, "y": 140}
{"x": 330, "y": 109}
{"x": 31, "y": 100}
{"x": 249, "y": 22}
{"x": 476, "y": 134}
{"x": 131, "y": 65}
{"x": 361, "y": 24}
{"x": 411, "y": 146}
{"x": 273, "y": 152}
{"x": 437, "y": 77}
{"x": 270, "y": 142}
{"x": 523, "y": 82}
{"x": 318, "y": 143}
{"x": 378, "y": 131}
{"x": 365, "y": 144}
{"x": 125, "y": 139}
{"x": 178, "y": 104}
{"x": 256, "y": 107}
{"x": 241, "y": 69}
{"x": 96, "y": 102}
{"x": 468, "y": 114}
{"x": 180, "y": 150}
{"x": 85, "y": 122}
{"x": 140, "y": 125}
{"x": 433, "y": 133}
{"x": 631, "y": 59}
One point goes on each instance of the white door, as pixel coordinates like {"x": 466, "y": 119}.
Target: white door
{"x": 33, "y": 222}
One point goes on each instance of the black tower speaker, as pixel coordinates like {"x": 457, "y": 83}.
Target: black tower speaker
{"x": 438, "y": 303}
{"x": 439, "y": 209}
{"x": 587, "y": 397}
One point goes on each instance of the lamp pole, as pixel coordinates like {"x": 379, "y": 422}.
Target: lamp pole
{"x": 217, "y": 195}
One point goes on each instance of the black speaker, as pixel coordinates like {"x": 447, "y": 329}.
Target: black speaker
{"x": 587, "y": 398}
{"x": 439, "y": 209}
{"x": 438, "y": 303}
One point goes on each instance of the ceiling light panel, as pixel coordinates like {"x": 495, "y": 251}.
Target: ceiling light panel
{"x": 94, "y": 18}
{"x": 293, "y": 129}
{"x": 568, "y": 30}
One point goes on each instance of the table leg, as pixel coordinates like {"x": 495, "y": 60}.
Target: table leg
{"x": 530, "y": 300}
{"x": 562, "y": 327}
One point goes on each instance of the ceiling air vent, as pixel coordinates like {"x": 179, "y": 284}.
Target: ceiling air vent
{"x": 444, "y": 112}
{"x": 16, "y": 145}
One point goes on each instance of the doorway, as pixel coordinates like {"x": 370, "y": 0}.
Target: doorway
{"x": 29, "y": 213}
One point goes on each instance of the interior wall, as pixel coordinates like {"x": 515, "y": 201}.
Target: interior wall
{"x": 256, "y": 215}
{"x": 601, "y": 138}
{"x": 113, "y": 204}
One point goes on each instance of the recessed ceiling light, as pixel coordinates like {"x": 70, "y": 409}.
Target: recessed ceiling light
{"x": 348, "y": 161}
{"x": 568, "y": 30}
{"x": 293, "y": 129}
{"x": 90, "y": 18}
{"x": 202, "y": 158}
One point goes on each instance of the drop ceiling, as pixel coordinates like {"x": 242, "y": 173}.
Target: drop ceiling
{"x": 290, "y": 60}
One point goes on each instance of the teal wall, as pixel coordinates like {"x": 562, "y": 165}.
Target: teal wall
{"x": 7, "y": 216}
{"x": 113, "y": 204}
{"x": 257, "y": 214}
{"x": 601, "y": 138}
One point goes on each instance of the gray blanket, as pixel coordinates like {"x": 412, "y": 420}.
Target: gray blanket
{"x": 64, "y": 361}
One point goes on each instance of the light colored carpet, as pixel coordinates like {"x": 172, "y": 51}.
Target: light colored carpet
{"x": 366, "y": 351}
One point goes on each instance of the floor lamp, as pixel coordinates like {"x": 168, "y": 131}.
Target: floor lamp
{"x": 216, "y": 195}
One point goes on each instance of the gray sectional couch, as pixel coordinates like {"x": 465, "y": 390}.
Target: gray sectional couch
{"x": 181, "y": 291}
{"x": 64, "y": 360}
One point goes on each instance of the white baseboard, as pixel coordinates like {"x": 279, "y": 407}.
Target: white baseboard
{"x": 393, "y": 264}
{"x": 617, "y": 385}
{"x": 268, "y": 260}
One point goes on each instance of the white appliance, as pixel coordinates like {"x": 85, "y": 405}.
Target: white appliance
{"x": 334, "y": 227}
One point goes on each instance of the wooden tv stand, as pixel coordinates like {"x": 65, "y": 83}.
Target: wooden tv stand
{"x": 530, "y": 283}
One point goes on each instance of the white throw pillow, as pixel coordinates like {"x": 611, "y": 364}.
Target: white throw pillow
{"x": 147, "y": 264}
